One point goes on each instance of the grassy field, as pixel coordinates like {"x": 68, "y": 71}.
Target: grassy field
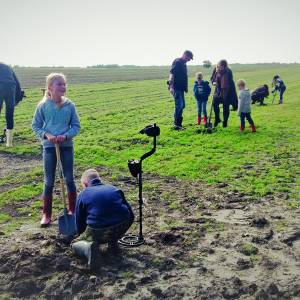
{"x": 112, "y": 114}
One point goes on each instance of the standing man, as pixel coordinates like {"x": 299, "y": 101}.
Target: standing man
{"x": 178, "y": 85}
{"x": 11, "y": 94}
{"x": 225, "y": 92}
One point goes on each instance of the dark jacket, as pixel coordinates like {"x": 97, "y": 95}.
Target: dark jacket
{"x": 202, "y": 90}
{"x": 225, "y": 87}
{"x": 101, "y": 205}
{"x": 9, "y": 79}
{"x": 179, "y": 70}
{"x": 7, "y": 75}
{"x": 279, "y": 85}
{"x": 260, "y": 93}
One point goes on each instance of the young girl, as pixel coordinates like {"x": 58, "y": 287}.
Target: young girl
{"x": 244, "y": 108}
{"x": 56, "y": 122}
{"x": 201, "y": 92}
{"x": 278, "y": 85}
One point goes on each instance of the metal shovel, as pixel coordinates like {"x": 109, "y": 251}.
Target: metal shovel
{"x": 66, "y": 223}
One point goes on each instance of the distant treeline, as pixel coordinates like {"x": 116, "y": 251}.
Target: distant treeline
{"x": 35, "y": 77}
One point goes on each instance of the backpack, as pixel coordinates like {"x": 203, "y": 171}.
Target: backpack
{"x": 260, "y": 93}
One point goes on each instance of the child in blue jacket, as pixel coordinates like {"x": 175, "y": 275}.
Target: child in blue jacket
{"x": 278, "y": 85}
{"x": 56, "y": 122}
{"x": 201, "y": 92}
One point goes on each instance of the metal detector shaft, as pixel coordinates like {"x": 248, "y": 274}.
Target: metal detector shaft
{"x": 135, "y": 167}
{"x": 274, "y": 96}
{"x": 140, "y": 204}
{"x": 152, "y": 151}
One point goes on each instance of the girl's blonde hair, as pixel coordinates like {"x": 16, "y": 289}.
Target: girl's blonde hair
{"x": 49, "y": 81}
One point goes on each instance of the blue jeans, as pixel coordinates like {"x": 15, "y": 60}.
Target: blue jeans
{"x": 201, "y": 105}
{"x": 67, "y": 159}
{"x": 7, "y": 95}
{"x": 179, "y": 107}
{"x": 248, "y": 117}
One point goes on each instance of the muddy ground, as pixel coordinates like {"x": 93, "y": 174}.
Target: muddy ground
{"x": 202, "y": 242}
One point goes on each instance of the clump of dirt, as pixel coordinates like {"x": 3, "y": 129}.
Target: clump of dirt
{"x": 202, "y": 242}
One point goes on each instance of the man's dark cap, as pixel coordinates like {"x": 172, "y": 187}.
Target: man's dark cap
{"x": 189, "y": 54}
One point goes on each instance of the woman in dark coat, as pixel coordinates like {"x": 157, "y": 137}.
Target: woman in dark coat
{"x": 10, "y": 93}
{"x": 225, "y": 92}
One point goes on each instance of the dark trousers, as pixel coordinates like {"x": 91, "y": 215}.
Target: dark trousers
{"x": 67, "y": 158}
{"x": 281, "y": 92}
{"x": 106, "y": 234}
{"x": 7, "y": 95}
{"x": 226, "y": 111}
{"x": 247, "y": 116}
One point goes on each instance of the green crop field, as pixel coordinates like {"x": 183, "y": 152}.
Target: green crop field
{"x": 112, "y": 114}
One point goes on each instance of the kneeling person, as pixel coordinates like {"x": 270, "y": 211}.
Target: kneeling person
{"x": 102, "y": 216}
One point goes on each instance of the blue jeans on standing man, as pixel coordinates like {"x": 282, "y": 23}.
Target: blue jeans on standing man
{"x": 179, "y": 107}
{"x": 67, "y": 160}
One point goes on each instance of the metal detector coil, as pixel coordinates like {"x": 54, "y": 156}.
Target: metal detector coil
{"x": 135, "y": 168}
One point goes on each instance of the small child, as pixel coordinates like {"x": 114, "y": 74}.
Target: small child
{"x": 244, "y": 108}
{"x": 56, "y": 122}
{"x": 201, "y": 92}
{"x": 278, "y": 85}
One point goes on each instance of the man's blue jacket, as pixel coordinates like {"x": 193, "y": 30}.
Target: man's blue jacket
{"x": 101, "y": 205}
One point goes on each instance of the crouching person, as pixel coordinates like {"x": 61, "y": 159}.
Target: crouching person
{"x": 102, "y": 216}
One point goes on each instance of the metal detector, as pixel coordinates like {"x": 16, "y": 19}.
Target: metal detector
{"x": 2, "y": 136}
{"x": 274, "y": 95}
{"x": 135, "y": 168}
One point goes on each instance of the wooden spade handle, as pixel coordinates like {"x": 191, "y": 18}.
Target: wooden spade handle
{"x": 62, "y": 185}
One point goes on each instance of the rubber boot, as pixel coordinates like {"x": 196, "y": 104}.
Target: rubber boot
{"x": 9, "y": 137}
{"x": 88, "y": 250}
{"x": 205, "y": 121}
{"x": 47, "y": 211}
{"x": 72, "y": 202}
{"x": 199, "y": 120}
{"x": 253, "y": 128}
{"x": 242, "y": 128}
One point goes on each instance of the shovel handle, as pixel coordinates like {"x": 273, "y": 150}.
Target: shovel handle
{"x": 62, "y": 185}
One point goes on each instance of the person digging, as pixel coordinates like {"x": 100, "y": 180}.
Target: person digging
{"x": 225, "y": 92}
{"x": 102, "y": 217}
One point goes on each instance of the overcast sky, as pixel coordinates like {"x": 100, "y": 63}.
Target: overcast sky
{"x": 152, "y": 32}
